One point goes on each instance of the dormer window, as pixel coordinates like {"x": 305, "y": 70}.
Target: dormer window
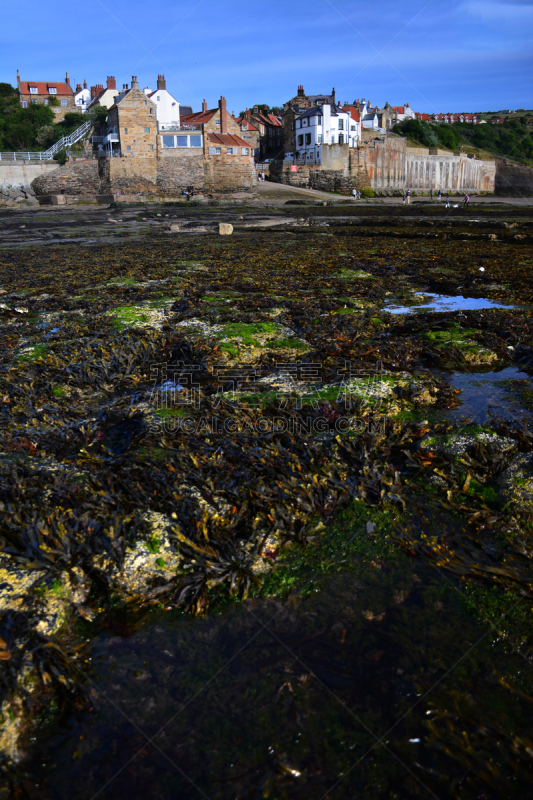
{"x": 33, "y": 90}
{"x": 51, "y": 90}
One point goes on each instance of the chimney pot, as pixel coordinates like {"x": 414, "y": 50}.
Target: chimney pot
{"x": 111, "y": 82}
{"x": 161, "y": 83}
{"x": 67, "y": 79}
{"x": 204, "y": 106}
{"x": 84, "y": 83}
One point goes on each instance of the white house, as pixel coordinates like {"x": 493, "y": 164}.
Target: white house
{"x": 323, "y": 125}
{"x": 82, "y": 97}
{"x": 104, "y": 97}
{"x": 167, "y": 107}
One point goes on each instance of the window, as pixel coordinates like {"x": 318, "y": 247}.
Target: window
{"x": 308, "y": 138}
{"x": 341, "y": 124}
{"x": 304, "y": 123}
{"x": 341, "y": 138}
{"x": 24, "y": 104}
{"x": 319, "y": 138}
{"x": 182, "y": 141}
{"x": 33, "y": 90}
{"x": 151, "y": 148}
{"x": 158, "y": 99}
{"x": 244, "y": 151}
{"x": 64, "y": 101}
{"x": 352, "y": 127}
{"x": 128, "y": 147}
{"x": 46, "y": 101}
{"x": 218, "y": 150}
{"x": 217, "y": 122}
{"x": 151, "y": 110}
{"x": 145, "y": 102}
{"x": 125, "y": 130}
{"x": 230, "y": 151}
{"x": 147, "y": 130}
{"x": 34, "y": 101}
{"x": 300, "y": 141}
{"x": 168, "y": 141}
{"x": 52, "y": 90}
{"x": 195, "y": 141}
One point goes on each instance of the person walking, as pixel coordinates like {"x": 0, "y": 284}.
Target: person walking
{"x": 466, "y": 201}
{"x": 408, "y": 195}
{"x": 447, "y": 201}
{"x": 263, "y": 176}
{"x": 431, "y": 194}
{"x": 403, "y": 198}
{"x": 354, "y": 193}
{"x": 439, "y": 195}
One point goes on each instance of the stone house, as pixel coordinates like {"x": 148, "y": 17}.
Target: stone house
{"x": 167, "y": 107}
{"x": 270, "y": 131}
{"x": 57, "y": 94}
{"x": 250, "y": 133}
{"x": 296, "y": 106}
{"x": 132, "y": 124}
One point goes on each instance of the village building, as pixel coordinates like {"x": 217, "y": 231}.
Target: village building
{"x": 82, "y": 97}
{"x": 270, "y": 129}
{"x": 56, "y": 94}
{"x": 250, "y": 133}
{"x": 398, "y": 113}
{"x": 167, "y": 107}
{"x": 294, "y": 107}
{"x": 322, "y": 126}
{"x": 207, "y": 151}
{"x": 105, "y": 97}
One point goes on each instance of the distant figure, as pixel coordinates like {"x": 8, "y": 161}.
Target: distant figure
{"x": 354, "y": 194}
{"x": 439, "y": 195}
{"x": 403, "y": 198}
{"x": 431, "y": 194}
{"x": 447, "y": 201}
{"x": 466, "y": 201}
{"x": 408, "y": 195}
{"x": 358, "y": 194}
{"x": 263, "y": 176}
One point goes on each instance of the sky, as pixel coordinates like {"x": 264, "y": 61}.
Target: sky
{"x": 439, "y": 56}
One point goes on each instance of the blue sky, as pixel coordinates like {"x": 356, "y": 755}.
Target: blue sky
{"x": 442, "y": 55}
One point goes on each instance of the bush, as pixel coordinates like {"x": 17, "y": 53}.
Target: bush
{"x": 367, "y": 191}
{"x": 61, "y": 157}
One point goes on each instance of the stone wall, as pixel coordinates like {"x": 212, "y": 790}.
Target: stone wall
{"x": 77, "y": 177}
{"x": 179, "y": 168}
{"x": 513, "y": 179}
{"x": 25, "y": 171}
{"x": 379, "y": 164}
{"x": 136, "y": 176}
{"x": 225, "y": 173}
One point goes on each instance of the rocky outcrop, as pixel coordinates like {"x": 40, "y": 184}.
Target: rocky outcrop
{"x": 513, "y": 179}
{"x": 73, "y": 178}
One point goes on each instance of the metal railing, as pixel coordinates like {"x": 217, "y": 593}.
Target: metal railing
{"x": 178, "y": 129}
{"x": 301, "y": 162}
{"x": 24, "y": 156}
{"x": 66, "y": 141}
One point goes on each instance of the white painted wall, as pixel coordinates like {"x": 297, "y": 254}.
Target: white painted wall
{"x": 167, "y": 109}
{"x": 82, "y": 100}
{"x": 327, "y": 129}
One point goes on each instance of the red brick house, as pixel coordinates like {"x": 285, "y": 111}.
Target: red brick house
{"x": 57, "y": 94}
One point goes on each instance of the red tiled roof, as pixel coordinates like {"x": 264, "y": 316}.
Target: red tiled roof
{"x": 228, "y": 139}
{"x": 43, "y": 87}
{"x": 353, "y": 112}
{"x": 243, "y": 121}
{"x": 199, "y": 117}
{"x": 399, "y": 109}
{"x": 425, "y": 117}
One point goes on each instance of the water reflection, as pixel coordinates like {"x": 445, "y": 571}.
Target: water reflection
{"x": 448, "y": 303}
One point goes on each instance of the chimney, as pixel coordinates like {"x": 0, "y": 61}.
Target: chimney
{"x": 67, "y": 79}
{"x": 301, "y": 92}
{"x": 134, "y": 82}
{"x": 161, "y": 83}
{"x": 111, "y": 82}
{"x": 84, "y": 84}
{"x": 78, "y": 88}
{"x": 222, "y": 111}
{"x": 94, "y": 92}
{"x": 18, "y": 79}
{"x": 333, "y": 95}
{"x": 204, "y": 106}
{"x": 256, "y": 109}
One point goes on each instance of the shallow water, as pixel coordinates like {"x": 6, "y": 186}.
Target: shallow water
{"x": 448, "y": 303}
{"x": 485, "y": 395}
{"x": 278, "y": 699}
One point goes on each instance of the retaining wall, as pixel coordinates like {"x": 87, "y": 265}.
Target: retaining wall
{"x": 25, "y": 171}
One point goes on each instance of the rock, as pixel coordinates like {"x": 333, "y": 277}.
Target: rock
{"x": 173, "y": 228}
{"x": 28, "y": 190}
{"x": 455, "y": 444}
{"x": 516, "y": 481}
{"x": 225, "y": 229}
